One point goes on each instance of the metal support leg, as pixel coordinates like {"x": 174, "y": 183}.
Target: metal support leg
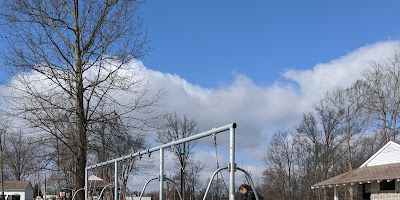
{"x": 232, "y": 163}
{"x": 116, "y": 180}
{"x": 161, "y": 173}
{"x": 86, "y": 185}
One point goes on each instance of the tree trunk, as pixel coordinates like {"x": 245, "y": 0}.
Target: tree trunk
{"x": 183, "y": 183}
{"x": 81, "y": 148}
{"x": 1, "y": 170}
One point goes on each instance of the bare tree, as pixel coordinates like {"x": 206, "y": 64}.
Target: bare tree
{"x": 311, "y": 144}
{"x": 3, "y": 131}
{"x": 383, "y": 80}
{"x": 319, "y": 139}
{"x": 19, "y": 157}
{"x": 173, "y": 129}
{"x": 114, "y": 140}
{"x": 193, "y": 176}
{"x": 348, "y": 105}
{"x": 281, "y": 173}
{"x": 79, "y": 50}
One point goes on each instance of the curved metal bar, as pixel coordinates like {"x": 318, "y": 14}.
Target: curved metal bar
{"x": 251, "y": 181}
{"x": 145, "y": 185}
{"x": 102, "y": 190}
{"x": 73, "y": 197}
{"x": 176, "y": 187}
{"x": 212, "y": 178}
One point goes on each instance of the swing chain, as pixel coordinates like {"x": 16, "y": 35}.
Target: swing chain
{"x": 214, "y": 138}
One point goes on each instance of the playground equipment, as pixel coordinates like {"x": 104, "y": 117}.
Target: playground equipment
{"x": 231, "y": 167}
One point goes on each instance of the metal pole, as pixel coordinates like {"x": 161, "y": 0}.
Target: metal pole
{"x": 116, "y": 180}
{"x": 161, "y": 173}
{"x": 86, "y": 184}
{"x": 232, "y": 164}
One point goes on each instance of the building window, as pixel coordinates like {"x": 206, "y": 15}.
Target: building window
{"x": 388, "y": 185}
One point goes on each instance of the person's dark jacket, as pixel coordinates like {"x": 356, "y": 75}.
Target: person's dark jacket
{"x": 250, "y": 195}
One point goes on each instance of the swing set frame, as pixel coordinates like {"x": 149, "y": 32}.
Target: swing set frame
{"x": 231, "y": 165}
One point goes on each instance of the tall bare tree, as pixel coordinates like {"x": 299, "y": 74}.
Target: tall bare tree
{"x": 383, "y": 80}
{"x": 320, "y": 140}
{"x": 173, "y": 129}
{"x": 3, "y": 130}
{"x": 75, "y": 54}
{"x": 348, "y": 105}
{"x": 19, "y": 157}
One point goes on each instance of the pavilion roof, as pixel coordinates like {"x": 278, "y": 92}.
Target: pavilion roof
{"x": 361, "y": 175}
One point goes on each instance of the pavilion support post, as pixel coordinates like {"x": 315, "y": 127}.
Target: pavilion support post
{"x": 335, "y": 193}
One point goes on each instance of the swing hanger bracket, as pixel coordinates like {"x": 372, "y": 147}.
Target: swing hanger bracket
{"x": 230, "y": 167}
{"x": 159, "y": 177}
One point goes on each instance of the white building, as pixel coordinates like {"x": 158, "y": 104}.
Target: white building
{"x": 377, "y": 179}
{"x": 23, "y": 189}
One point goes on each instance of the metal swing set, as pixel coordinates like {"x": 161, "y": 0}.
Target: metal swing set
{"x": 231, "y": 167}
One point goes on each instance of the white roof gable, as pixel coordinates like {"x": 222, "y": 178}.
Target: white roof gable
{"x": 94, "y": 178}
{"x": 388, "y": 154}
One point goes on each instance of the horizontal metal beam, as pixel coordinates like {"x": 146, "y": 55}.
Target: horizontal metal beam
{"x": 183, "y": 140}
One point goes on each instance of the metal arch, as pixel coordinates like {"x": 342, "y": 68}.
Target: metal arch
{"x": 212, "y": 178}
{"x": 111, "y": 184}
{"x": 173, "y": 182}
{"x": 144, "y": 187}
{"x": 244, "y": 171}
{"x": 176, "y": 187}
{"x": 250, "y": 180}
{"x": 73, "y": 197}
{"x": 104, "y": 189}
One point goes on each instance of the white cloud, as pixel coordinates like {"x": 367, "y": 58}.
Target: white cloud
{"x": 343, "y": 71}
{"x": 259, "y": 111}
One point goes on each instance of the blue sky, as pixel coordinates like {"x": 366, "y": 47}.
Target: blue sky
{"x": 206, "y": 41}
